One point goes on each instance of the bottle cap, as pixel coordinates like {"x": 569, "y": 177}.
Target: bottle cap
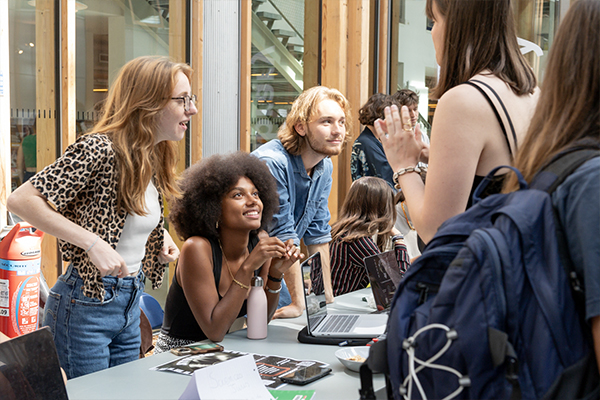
{"x": 256, "y": 281}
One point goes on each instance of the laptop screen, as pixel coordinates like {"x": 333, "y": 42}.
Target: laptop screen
{"x": 314, "y": 290}
{"x": 384, "y": 274}
{"x": 29, "y": 368}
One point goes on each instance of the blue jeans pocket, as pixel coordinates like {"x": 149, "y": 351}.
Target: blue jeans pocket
{"x": 51, "y": 311}
{"x": 81, "y": 300}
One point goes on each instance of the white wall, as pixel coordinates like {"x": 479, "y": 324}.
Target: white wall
{"x": 221, "y": 77}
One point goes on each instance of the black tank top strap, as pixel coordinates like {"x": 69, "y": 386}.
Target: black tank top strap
{"x": 217, "y": 257}
{"x": 475, "y": 83}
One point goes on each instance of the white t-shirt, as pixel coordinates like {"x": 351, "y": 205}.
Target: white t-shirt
{"x": 132, "y": 244}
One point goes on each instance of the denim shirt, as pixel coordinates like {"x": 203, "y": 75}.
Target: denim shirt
{"x": 303, "y": 211}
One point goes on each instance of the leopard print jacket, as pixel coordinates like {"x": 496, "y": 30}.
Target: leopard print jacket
{"x": 82, "y": 186}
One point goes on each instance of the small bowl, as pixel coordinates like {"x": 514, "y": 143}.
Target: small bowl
{"x": 345, "y": 353}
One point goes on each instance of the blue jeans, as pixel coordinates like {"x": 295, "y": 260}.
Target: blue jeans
{"x": 285, "y": 299}
{"x": 91, "y": 335}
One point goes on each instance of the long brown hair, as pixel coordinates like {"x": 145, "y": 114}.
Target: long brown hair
{"x": 302, "y": 111}
{"x": 368, "y": 209}
{"x": 480, "y": 35}
{"x": 129, "y": 117}
{"x": 568, "y": 110}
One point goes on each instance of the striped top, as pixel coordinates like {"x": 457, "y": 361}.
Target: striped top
{"x": 348, "y": 272}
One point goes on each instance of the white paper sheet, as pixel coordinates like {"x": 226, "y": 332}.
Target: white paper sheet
{"x": 236, "y": 379}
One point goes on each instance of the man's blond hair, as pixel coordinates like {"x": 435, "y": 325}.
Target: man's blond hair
{"x": 303, "y": 110}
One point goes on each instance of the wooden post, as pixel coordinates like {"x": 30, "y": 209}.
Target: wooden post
{"x": 196, "y": 61}
{"x": 45, "y": 89}
{"x": 245, "y": 74}
{"x": 359, "y": 55}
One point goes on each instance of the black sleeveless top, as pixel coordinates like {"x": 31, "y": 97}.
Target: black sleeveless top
{"x": 495, "y": 186}
{"x": 179, "y": 321}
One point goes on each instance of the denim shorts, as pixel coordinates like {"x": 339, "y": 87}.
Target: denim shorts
{"x": 91, "y": 335}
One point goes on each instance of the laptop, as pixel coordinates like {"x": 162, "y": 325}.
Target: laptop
{"x": 322, "y": 324}
{"x": 384, "y": 274}
{"x": 29, "y": 368}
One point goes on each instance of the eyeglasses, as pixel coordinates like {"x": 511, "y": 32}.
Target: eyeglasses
{"x": 187, "y": 101}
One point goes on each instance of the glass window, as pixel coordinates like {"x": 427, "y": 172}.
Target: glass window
{"x": 109, "y": 34}
{"x": 536, "y": 20}
{"x": 417, "y": 68}
{"x": 277, "y": 67}
{"x": 32, "y": 106}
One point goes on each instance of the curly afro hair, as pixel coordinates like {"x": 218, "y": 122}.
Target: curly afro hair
{"x": 205, "y": 184}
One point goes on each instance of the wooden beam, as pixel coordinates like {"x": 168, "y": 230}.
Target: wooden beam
{"x": 393, "y": 61}
{"x": 177, "y": 52}
{"x": 197, "y": 34}
{"x": 245, "y": 74}
{"x": 358, "y": 92}
{"x": 68, "y": 112}
{"x": 334, "y": 75}
{"x": 383, "y": 61}
{"x": 312, "y": 37}
{"x": 45, "y": 93}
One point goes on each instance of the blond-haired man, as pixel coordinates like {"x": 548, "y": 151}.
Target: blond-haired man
{"x": 316, "y": 128}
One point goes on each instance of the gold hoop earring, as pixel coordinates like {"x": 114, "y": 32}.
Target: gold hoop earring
{"x": 217, "y": 225}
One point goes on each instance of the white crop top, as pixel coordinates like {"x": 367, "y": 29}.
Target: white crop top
{"x": 132, "y": 244}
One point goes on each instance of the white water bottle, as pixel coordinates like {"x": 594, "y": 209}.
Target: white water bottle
{"x": 257, "y": 310}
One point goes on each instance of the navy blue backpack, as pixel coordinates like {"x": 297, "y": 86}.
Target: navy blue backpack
{"x": 490, "y": 310}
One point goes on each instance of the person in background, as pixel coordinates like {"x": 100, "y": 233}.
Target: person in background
{"x": 414, "y": 244}
{"x": 27, "y": 155}
{"x": 226, "y": 204}
{"x": 315, "y": 129}
{"x": 410, "y": 99}
{"x": 475, "y": 43}
{"x": 568, "y": 116}
{"x": 103, "y": 199}
{"x": 368, "y": 157}
{"x": 365, "y": 227}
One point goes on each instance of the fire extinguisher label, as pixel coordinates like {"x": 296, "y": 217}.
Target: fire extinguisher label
{"x": 4, "y": 296}
{"x": 21, "y": 267}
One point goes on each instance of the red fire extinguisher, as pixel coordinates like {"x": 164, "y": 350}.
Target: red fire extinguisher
{"x": 20, "y": 260}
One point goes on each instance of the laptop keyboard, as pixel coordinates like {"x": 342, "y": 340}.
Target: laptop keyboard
{"x": 339, "y": 323}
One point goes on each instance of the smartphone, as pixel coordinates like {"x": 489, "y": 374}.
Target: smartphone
{"x": 305, "y": 375}
{"x": 196, "y": 349}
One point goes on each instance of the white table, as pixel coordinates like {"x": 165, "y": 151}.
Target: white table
{"x": 134, "y": 380}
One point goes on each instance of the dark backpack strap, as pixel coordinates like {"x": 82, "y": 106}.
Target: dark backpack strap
{"x": 548, "y": 179}
{"x": 561, "y": 166}
{"x": 475, "y": 83}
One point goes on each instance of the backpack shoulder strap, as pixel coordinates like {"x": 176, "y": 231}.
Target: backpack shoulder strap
{"x": 561, "y": 166}
{"x": 548, "y": 179}
{"x": 476, "y": 84}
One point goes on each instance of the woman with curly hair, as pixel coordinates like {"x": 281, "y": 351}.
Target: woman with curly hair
{"x": 103, "y": 200}
{"x": 365, "y": 227}
{"x": 227, "y": 202}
